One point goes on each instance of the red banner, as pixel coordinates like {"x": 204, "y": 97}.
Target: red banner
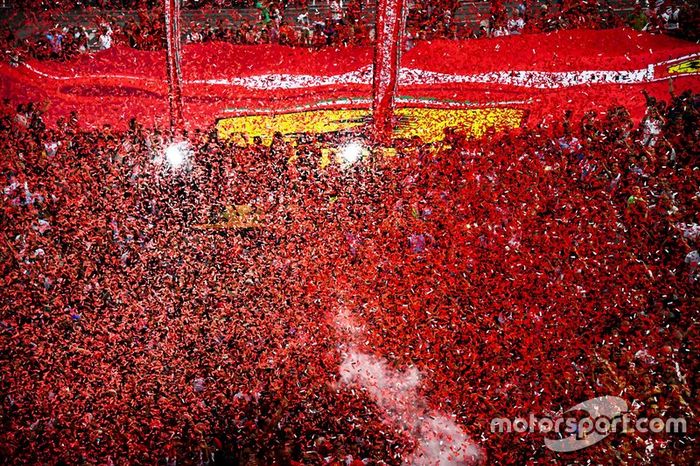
{"x": 544, "y": 73}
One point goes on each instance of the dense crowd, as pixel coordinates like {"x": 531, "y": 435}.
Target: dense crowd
{"x": 338, "y": 23}
{"x": 520, "y": 273}
{"x": 67, "y": 5}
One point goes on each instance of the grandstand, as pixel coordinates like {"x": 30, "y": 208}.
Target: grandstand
{"x": 465, "y": 14}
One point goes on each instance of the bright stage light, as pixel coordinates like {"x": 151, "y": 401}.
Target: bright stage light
{"x": 351, "y": 153}
{"x": 176, "y": 154}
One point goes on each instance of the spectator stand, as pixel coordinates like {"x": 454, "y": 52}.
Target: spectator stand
{"x": 312, "y": 24}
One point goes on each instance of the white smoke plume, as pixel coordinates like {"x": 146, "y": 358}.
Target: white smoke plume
{"x": 440, "y": 441}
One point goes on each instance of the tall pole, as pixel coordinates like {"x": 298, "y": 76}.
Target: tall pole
{"x": 172, "y": 56}
{"x": 387, "y": 56}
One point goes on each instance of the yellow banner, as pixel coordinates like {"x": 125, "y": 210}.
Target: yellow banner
{"x": 426, "y": 123}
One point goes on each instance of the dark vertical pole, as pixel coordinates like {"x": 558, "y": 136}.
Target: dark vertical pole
{"x": 387, "y": 54}
{"x": 172, "y": 31}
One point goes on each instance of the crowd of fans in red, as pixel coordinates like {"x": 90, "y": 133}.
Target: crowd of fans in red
{"x": 521, "y": 273}
{"x": 339, "y": 24}
{"x": 68, "y": 5}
